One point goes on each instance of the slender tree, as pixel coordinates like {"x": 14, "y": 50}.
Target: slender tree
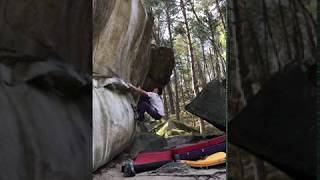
{"x": 170, "y": 94}
{"x": 177, "y": 104}
{"x": 193, "y": 63}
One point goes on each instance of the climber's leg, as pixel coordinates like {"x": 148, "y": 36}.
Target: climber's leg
{"x": 153, "y": 113}
{"x": 144, "y": 106}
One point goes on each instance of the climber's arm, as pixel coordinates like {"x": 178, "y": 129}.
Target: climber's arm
{"x": 138, "y": 90}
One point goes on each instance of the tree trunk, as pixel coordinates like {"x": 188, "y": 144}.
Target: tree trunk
{"x": 165, "y": 103}
{"x": 186, "y": 85}
{"x": 224, "y": 68}
{"x": 174, "y": 69}
{"x": 268, "y": 29}
{"x": 241, "y": 60}
{"x": 285, "y": 31}
{"x": 220, "y": 14}
{"x": 214, "y": 73}
{"x": 193, "y": 67}
{"x": 169, "y": 90}
{"x": 259, "y": 169}
{"x": 218, "y": 68}
{"x": 191, "y": 91}
{"x": 177, "y": 95}
{"x": 205, "y": 61}
{"x": 193, "y": 63}
{"x": 201, "y": 75}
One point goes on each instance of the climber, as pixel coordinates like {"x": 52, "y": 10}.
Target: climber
{"x": 149, "y": 102}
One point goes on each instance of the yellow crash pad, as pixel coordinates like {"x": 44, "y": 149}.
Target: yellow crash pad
{"x": 212, "y": 160}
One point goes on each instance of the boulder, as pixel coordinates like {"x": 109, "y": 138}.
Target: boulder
{"x": 211, "y": 104}
{"x": 45, "y": 95}
{"x": 46, "y": 120}
{"x": 121, "y": 54}
{"x": 278, "y": 124}
{"x": 113, "y": 124}
{"x": 162, "y": 64}
{"x": 122, "y": 39}
{"x": 48, "y": 29}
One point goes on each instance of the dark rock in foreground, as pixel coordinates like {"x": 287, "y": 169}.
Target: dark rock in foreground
{"x": 279, "y": 123}
{"x": 210, "y": 104}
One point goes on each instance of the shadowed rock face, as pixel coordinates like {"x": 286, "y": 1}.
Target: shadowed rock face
{"x": 279, "y": 124}
{"x": 257, "y": 50}
{"x": 45, "y": 104}
{"x": 48, "y": 29}
{"x": 162, "y": 64}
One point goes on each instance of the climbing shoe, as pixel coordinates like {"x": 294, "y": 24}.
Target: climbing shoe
{"x": 135, "y": 112}
{"x": 128, "y": 169}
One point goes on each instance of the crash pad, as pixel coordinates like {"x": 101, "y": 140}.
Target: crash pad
{"x": 199, "y": 145}
{"x": 152, "y": 157}
{"x": 147, "y": 161}
{"x": 212, "y": 160}
{"x": 200, "y": 153}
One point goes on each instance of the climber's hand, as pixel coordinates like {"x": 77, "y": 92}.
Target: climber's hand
{"x": 130, "y": 86}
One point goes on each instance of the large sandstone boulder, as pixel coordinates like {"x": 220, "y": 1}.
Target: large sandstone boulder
{"x": 122, "y": 37}
{"x": 113, "y": 124}
{"x": 121, "y": 51}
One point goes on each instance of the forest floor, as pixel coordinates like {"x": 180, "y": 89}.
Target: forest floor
{"x": 152, "y": 141}
{"x": 114, "y": 173}
{"x": 171, "y": 171}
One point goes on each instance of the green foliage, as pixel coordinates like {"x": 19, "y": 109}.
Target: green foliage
{"x": 183, "y": 127}
{"x": 163, "y": 129}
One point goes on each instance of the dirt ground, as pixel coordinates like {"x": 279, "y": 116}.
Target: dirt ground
{"x": 114, "y": 173}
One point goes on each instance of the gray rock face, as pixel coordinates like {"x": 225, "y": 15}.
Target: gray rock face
{"x": 122, "y": 39}
{"x": 113, "y": 123}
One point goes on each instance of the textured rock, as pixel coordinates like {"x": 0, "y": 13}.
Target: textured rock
{"x": 210, "y": 104}
{"x": 45, "y": 104}
{"x": 45, "y": 132}
{"x": 278, "y": 123}
{"x": 162, "y": 64}
{"x": 263, "y": 40}
{"x": 48, "y": 29}
{"x": 122, "y": 41}
{"x": 113, "y": 124}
